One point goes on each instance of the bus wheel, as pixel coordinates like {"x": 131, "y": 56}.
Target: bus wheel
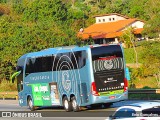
{"x": 30, "y": 104}
{"x": 67, "y": 104}
{"x": 75, "y": 106}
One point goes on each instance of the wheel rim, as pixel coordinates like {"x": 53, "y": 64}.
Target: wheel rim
{"x": 66, "y": 104}
{"x": 30, "y": 103}
{"x": 74, "y": 104}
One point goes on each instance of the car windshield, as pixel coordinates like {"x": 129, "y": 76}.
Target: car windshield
{"x": 124, "y": 112}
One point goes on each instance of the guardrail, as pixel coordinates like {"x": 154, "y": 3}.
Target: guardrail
{"x": 4, "y": 95}
{"x": 148, "y": 92}
{"x": 144, "y": 91}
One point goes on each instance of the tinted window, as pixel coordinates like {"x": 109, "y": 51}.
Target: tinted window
{"x": 107, "y": 58}
{"x": 61, "y": 61}
{"x": 40, "y": 64}
{"x": 67, "y": 61}
{"x": 106, "y": 51}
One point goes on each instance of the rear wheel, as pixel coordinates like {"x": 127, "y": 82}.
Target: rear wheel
{"x": 75, "y": 106}
{"x": 67, "y": 104}
{"x": 30, "y": 104}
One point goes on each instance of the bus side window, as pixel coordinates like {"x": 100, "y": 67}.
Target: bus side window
{"x": 29, "y": 67}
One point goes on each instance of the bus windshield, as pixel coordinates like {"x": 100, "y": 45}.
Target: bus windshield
{"x": 108, "y": 67}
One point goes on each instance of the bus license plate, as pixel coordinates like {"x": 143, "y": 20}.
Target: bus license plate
{"x": 112, "y": 97}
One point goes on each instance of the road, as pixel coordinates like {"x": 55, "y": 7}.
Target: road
{"x": 12, "y": 105}
{"x": 58, "y": 113}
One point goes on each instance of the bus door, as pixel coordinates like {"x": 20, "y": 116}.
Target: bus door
{"x": 20, "y": 85}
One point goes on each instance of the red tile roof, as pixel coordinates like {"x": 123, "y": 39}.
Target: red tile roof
{"x": 107, "y": 30}
{"x": 138, "y": 30}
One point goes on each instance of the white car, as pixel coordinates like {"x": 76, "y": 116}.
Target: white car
{"x": 137, "y": 111}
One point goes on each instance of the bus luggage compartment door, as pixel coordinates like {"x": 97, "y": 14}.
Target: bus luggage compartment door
{"x": 54, "y": 94}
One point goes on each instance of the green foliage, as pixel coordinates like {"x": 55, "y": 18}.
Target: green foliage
{"x": 148, "y": 54}
{"x": 151, "y": 57}
{"x": 146, "y": 87}
{"x": 27, "y": 33}
{"x": 128, "y": 38}
{"x": 44, "y": 10}
{"x": 152, "y": 29}
{"x": 129, "y": 55}
{"x": 3, "y": 1}
{"x": 152, "y": 26}
{"x": 7, "y": 86}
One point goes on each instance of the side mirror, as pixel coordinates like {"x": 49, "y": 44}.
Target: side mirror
{"x": 14, "y": 75}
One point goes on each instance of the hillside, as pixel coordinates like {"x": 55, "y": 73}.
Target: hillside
{"x": 28, "y": 26}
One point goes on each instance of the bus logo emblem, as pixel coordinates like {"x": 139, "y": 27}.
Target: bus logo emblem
{"x": 66, "y": 83}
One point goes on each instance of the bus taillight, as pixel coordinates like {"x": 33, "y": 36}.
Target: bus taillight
{"x": 93, "y": 89}
{"x": 125, "y": 85}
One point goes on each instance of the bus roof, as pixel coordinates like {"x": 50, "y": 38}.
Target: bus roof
{"x": 50, "y": 51}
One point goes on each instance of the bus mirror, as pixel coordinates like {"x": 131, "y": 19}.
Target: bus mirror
{"x": 14, "y": 75}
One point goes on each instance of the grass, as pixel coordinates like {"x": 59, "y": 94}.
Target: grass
{"x": 8, "y": 95}
{"x": 7, "y": 89}
{"x": 7, "y": 86}
{"x": 149, "y": 82}
{"x": 130, "y": 56}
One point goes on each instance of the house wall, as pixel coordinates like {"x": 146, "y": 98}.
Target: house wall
{"x": 138, "y": 24}
{"x": 110, "y": 18}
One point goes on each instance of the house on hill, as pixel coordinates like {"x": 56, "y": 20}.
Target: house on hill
{"x": 109, "y": 27}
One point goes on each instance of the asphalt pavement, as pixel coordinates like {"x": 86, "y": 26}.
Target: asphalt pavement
{"x": 12, "y": 111}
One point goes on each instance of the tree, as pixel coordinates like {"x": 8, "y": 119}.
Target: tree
{"x": 129, "y": 40}
{"x": 152, "y": 26}
{"x": 25, "y": 31}
{"x": 136, "y": 9}
{"x": 151, "y": 57}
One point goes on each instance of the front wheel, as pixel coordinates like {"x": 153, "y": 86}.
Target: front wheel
{"x": 67, "y": 104}
{"x": 75, "y": 106}
{"x": 30, "y": 104}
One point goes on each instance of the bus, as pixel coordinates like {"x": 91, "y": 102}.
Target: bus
{"x": 72, "y": 77}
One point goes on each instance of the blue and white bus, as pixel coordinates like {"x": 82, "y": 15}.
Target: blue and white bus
{"x": 72, "y": 77}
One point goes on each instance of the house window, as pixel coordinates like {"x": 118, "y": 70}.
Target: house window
{"x": 103, "y": 20}
{"x": 113, "y": 19}
{"x": 99, "y": 20}
{"x": 109, "y": 19}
